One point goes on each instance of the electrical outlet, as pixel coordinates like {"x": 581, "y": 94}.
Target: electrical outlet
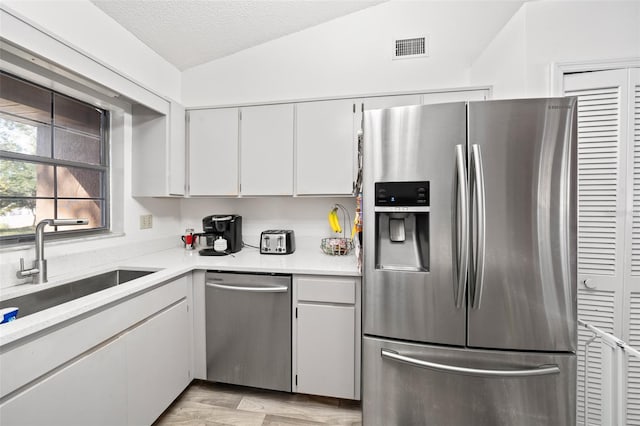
{"x": 146, "y": 221}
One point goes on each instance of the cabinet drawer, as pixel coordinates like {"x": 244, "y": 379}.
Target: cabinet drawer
{"x": 324, "y": 289}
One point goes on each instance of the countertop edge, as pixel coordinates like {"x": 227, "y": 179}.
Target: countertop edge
{"x": 185, "y": 263}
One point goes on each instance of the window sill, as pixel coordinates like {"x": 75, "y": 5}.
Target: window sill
{"x": 12, "y": 247}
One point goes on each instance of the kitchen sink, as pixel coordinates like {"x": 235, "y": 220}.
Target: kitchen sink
{"x": 50, "y": 297}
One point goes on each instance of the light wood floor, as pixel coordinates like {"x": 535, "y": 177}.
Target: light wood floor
{"x": 209, "y": 404}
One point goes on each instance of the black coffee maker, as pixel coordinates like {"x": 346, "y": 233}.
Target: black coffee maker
{"x": 223, "y": 234}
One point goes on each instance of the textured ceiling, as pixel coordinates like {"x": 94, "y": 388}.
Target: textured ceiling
{"x": 191, "y": 32}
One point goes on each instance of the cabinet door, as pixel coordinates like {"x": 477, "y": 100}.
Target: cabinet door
{"x": 158, "y": 359}
{"x": 90, "y": 391}
{"x": 176, "y": 155}
{"x": 213, "y": 152}
{"x": 325, "y": 147}
{"x": 266, "y": 156}
{"x": 326, "y": 350}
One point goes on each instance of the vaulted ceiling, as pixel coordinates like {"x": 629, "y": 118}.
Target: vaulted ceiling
{"x": 191, "y": 32}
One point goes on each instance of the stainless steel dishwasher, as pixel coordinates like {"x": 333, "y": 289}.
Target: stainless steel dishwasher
{"x": 248, "y": 329}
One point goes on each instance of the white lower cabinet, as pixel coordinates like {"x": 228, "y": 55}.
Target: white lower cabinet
{"x": 158, "y": 360}
{"x": 88, "y": 391}
{"x": 127, "y": 363}
{"x": 326, "y": 350}
{"x": 327, "y": 336}
{"x": 123, "y": 365}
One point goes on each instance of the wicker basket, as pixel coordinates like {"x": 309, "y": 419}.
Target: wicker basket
{"x": 336, "y": 246}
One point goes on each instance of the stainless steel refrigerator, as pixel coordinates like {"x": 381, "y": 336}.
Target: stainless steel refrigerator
{"x": 470, "y": 313}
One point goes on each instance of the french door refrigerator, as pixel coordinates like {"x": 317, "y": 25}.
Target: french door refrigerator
{"x": 470, "y": 313}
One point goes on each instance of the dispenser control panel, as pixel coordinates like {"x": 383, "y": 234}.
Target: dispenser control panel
{"x": 389, "y": 194}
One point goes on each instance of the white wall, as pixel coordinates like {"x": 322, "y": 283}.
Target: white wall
{"x": 306, "y": 216}
{"x": 346, "y": 56}
{"x": 83, "y": 25}
{"x": 471, "y": 43}
{"x": 503, "y": 64}
{"x": 352, "y": 55}
{"x": 85, "y": 28}
{"x": 518, "y": 61}
{"x": 127, "y": 240}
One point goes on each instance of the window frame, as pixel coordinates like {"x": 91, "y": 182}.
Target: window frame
{"x": 104, "y": 167}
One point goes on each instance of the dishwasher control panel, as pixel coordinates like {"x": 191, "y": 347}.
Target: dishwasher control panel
{"x": 277, "y": 241}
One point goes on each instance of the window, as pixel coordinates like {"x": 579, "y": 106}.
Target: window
{"x": 53, "y": 161}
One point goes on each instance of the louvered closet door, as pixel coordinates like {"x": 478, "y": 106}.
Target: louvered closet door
{"x": 631, "y": 321}
{"x": 602, "y": 99}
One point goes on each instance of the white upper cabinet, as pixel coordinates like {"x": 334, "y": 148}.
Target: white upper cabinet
{"x": 266, "y": 150}
{"x": 325, "y": 147}
{"x": 303, "y": 148}
{"x": 158, "y": 152}
{"x": 213, "y": 152}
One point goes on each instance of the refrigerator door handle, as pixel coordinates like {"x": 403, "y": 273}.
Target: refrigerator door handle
{"x": 479, "y": 195}
{"x": 461, "y": 239}
{"x": 536, "y": 371}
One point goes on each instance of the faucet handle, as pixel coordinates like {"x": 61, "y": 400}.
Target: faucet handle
{"x": 24, "y": 273}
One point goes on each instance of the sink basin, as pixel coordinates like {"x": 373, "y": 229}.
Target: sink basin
{"x": 50, "y": 297}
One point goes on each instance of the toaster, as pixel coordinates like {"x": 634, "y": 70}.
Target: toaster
{"x": 277, "y": 241}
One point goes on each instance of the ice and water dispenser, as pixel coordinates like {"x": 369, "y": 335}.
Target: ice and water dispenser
{"x": 402, "y": 226}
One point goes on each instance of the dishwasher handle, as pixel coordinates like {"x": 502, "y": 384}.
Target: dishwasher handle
{"x": 256, "y": 289}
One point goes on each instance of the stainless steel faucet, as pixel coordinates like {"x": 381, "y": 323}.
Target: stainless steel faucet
{"x": 38, "y": 272}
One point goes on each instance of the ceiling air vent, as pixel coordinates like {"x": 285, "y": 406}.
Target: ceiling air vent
{"x": 410, "y": 48}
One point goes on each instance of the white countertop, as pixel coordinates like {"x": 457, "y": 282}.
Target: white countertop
{"x": 307, "y": 259}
